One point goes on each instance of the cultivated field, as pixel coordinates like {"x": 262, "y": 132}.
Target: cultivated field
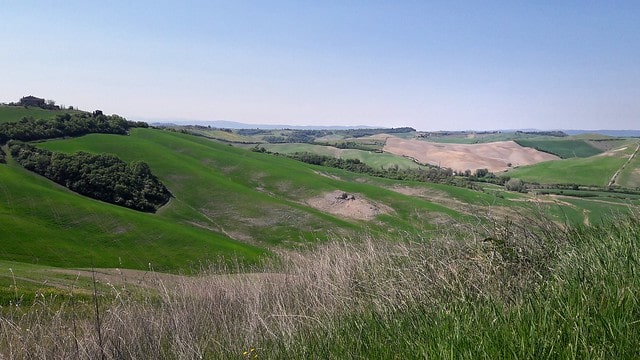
{"x": 564, "y": 148}
{"x": 595, "y": 170}
{"x": 495, "y": 156}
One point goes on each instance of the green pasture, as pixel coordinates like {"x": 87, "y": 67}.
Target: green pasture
{"x": 228, "y": 202}
{"x": 477, "y": 138}
{"x": 15, "y": 113}
{"x": 222, "y": 135}
{"x": 363, "y": 143}
{"x": 564, "y": 148}
{"x": 373, "y": 159}
{"x": 43, "y": 223}
{"x": 629, "y": 177}
{"x": 595, "y": 170}
{"x": 254, "y": 196}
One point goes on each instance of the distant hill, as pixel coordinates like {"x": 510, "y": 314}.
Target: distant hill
{"x": 223, "y": 124}
{"x": 615, "y": 133}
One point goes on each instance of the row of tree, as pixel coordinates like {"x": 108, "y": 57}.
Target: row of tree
{"x": 100, "y": 176}
{"x": 425, "y": 174}
{"x": 29, "y": 129}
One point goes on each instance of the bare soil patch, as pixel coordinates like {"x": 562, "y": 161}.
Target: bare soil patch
{"x": 495, "y": 156}
{"x": 351, "y": 206}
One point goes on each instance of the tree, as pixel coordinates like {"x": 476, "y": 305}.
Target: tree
{"x": 481, "y": 173}
{"x": 516, "y": 185}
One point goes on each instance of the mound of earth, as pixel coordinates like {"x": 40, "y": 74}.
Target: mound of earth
{"x": 495, "y": 156}
{"x": 348, "y": 205}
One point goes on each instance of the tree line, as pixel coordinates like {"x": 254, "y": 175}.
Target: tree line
{"x": 425, "y": 174}
{"x": 29, "y": 129}
{"x": 100, "y": 176}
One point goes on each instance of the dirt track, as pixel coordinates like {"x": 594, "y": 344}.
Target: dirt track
{"x": 495, "y": 156}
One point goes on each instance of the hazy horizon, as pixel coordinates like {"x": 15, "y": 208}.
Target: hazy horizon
{"x": 432, "y": 66}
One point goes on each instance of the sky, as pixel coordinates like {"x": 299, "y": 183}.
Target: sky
{"x": 431, "y": 65}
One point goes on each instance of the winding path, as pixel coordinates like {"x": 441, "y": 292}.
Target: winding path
{"x": 615, "y": 176}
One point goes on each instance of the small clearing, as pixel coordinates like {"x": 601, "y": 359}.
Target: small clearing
{"x": 350, "y": 206}
{"x": 495, "y": 156}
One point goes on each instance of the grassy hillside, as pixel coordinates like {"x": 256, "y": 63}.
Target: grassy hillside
{"x": 373, "y": 159}
{"x": 227, "y": 201}
{"x": 596, "y": 170}
{"x": 15, "y": 113}
{"x": 630, "y": 176}
{"x": 244, "y": 185}
{"x": 465, "y": 137}
{"x": 564, "y": 148}
{"x": 531, "y": 290}
{"x": 43, "y": 223}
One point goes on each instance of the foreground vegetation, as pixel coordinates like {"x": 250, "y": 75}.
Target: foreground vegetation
{"x": 518, "y": 288}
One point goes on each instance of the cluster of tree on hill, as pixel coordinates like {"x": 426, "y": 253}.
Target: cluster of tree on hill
{"x": 298, "y": 136}
{"x": 29, "y": 129}
{"x": 428, "y": 174}
{"x": 2, "y": 156}
{"x": 100, "y": 176}
{"x": 375, "y": 145}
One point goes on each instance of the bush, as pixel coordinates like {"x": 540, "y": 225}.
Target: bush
{"x": 516, "y": 185}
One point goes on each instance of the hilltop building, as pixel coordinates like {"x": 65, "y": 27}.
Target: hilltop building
{"x": 32, "y": 101}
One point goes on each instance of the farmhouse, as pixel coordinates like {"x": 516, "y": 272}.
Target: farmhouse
{"x": 32, "y": 101}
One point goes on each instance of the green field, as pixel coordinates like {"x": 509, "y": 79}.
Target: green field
{"x": 43, "y": 223}
{"x": 232, "y": 202}
{"x": 373, "y": 159}
{"x": 15, "y": 113}
{"x": 564, "y": 148}
{"x": 260, "y": 272}
{"x": 481, "y": 138}
{"x": 227, "y": 202}
{"x": 630, "y": 176}
{"x": 593, "y": 171}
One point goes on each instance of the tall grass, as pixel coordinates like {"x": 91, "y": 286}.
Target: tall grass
{"x": 522, "y": 289}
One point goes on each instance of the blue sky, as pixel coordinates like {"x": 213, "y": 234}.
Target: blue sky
{"x": 447, "y": 65}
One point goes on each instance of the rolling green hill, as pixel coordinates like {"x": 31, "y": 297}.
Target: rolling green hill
{"x": 44, "y": 223}
{"x": 564, "y": 148}
{"x": 15, "y": 113}
{"x": 629, "y": 176}
{"x": 373, "y": 159}
{"x": 227, "y": 202}
{"x": 595, "y": 170}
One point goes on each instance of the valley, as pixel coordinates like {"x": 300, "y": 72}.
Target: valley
{"x": 245, "y": 204}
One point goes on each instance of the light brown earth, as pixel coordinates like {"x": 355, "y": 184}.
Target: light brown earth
{"x": 353, "y": 206}
{"x": 495, "y": 156}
